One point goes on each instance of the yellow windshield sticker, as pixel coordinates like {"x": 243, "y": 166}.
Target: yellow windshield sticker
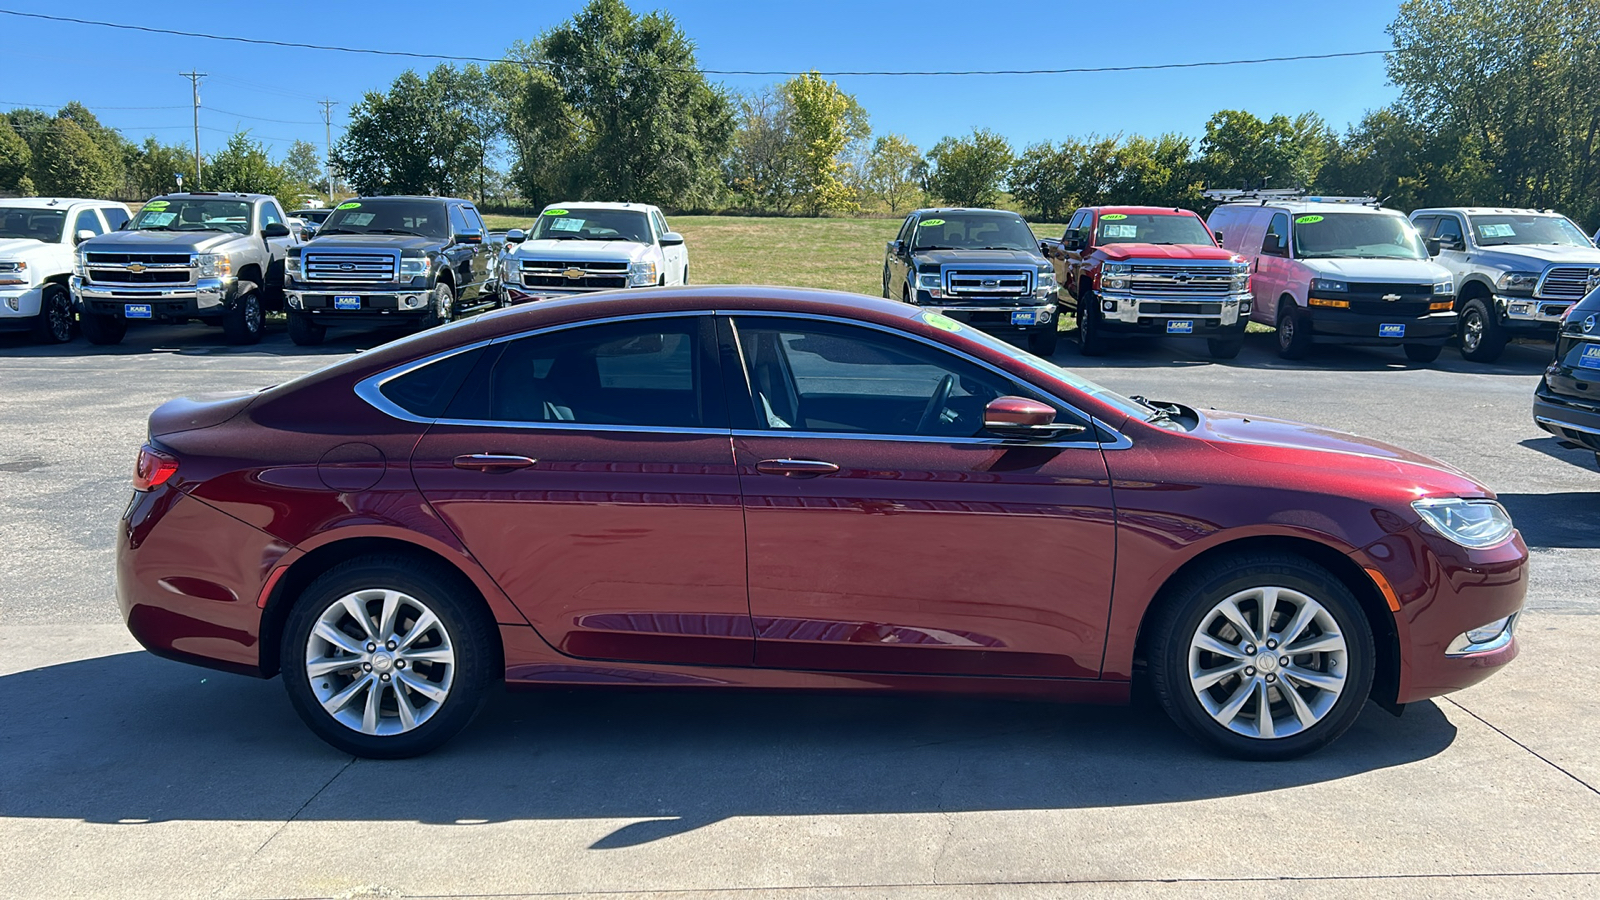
{"x": 940, "y": 320}
{"x": 926, "y": 222}
{"x": 1112, "y": 217}
{"x": 555, "y": 212}
{"x": 351, "y": 205}
{"x": 1308, "y": 220}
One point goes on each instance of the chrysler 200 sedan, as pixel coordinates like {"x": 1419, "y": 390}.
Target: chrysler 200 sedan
{"x": 788, "y": 489}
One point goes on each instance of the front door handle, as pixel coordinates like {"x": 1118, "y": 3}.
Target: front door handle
{"x": 796, "y": 468}
{"x": 493, "y": 462}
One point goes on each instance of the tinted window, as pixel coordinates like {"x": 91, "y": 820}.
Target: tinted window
{"x": 1277, "y": 233}
{"x": 427, "y": 391}
{"x": 458, "y": 221}
{"x": 115, "y": 218}
{"x": 388, "y": 215}
{"x": 87, "y": 221}
{"x": 905, "y": 229}
{"x": 1449, "y": 229}
{"x": 1424, "y": 225}
{"x": 1527, "y": 228}
{"x": 973, "y": 231}
{"x": 661, "y": 224}
{"x": 823, "y": 377}
{"x": 1365, "y": 235}
{"x": 647, "y": 372}
{"x": 270, "y": 214}
{"x": 474, "y": 223}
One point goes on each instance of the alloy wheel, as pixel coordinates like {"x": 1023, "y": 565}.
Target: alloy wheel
{"x": 380, "y": 662}
{"x": 1471, "y": 331}
{"x": 60, "y": 320}
{"x": 1268, "y": 662}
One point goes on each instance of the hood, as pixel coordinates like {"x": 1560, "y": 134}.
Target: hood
{"x": 1164, "y": 251}
{"x": 1418, "y": 270}
{"x": 576, "y": 251}
{"x": 22, "y": 248}
{"x": 1548, "y": 253}
{"x": 355, "y": 242}
{"x": 159, "y": 241}
{"x": 199, "y": 411}
{"x": 970, "y": 257}
{"x": 1357, "y": 458}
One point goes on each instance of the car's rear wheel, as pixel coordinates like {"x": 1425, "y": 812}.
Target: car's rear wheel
{"x": 384, "y": 658}
{"x": 1482, "y": 337}
{"x": 1263, "y": 657}
{"x": 103, "y": 329}
{"x": 243, "y": 321}
{"x": 304, "y": 331}
{"x": 54, "y": 324}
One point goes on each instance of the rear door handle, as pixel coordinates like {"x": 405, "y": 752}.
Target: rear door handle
{"x": 493, "y": 462}
{"x": 796, "y": 468}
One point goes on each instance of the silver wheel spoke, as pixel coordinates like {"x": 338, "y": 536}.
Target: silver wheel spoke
{"x": 1230, "y": 611}
{"x": 1230, "y": 710}
{"x": 369, "y": 717}
{"x": 1322, "y": 643}
{"x": 1302, "y": 618}
{"x": 1205, "y": 680}
{"x": 434, "y": 654}
{"x": 1302, "y": 712}
{"x": 424, "y": 687}
{"x": 408, "y": 713}
{"x": 338, "y": 638}
{"x": 317, "y": 668}
{"x": 391, "y": 608}
{"x": 342, "y": 699}
{"x": 1264, "y": 610}
{"x": 1264, "y": 712}
{"x": 333, "y": 656}
{"x": 425, "y": 622}
{"x": 1315, "y": 679}
{"x": 1215, "y": 645}
{"x": 358, "y": 611}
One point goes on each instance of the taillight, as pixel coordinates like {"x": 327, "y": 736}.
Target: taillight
{"x": 153, "y": 468}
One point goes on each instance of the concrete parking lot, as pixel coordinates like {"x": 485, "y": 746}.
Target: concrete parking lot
{"x": 128, "y": 776}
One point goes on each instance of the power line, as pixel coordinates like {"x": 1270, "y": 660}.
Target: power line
{"x": 260, "y": 118}
{"x": 60, "y": 105}
{"x": 370, "y": 51}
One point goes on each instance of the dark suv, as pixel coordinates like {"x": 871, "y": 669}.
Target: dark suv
{"x": 1566, "y": 403}
{"x": 379, "y": 260}
{"x": 981, "y": 266}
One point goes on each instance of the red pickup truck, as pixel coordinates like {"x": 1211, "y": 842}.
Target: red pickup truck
{"x": 1143, "y": 270}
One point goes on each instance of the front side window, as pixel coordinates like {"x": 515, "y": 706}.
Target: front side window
{"x": 388, "y": 215}
{"x": 580, "y": 224}
{"x": 827, "y": 377}
{"x": 1276, "y": 238}
{"x": 1120, "y": 228}
{"x": 1528, "y": 228}
{"x": 1372, "y": 235}
{"x": 270, "y": 214}
{"x": 647, "y": 372}
{"x": 981, "y": 230}
{"x": 474, "y": 222}
{"x": 194, "y": 214}
{"x": 1449, "y": 230}
{"x": 87, "y": 221}
{"x": 115, "y": 217}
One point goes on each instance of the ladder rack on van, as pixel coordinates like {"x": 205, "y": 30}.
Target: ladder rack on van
{"x": 1266, "y": 196}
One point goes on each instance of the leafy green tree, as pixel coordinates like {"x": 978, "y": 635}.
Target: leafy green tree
{"x": 970, "y": 171}
{"x": 1043, "y": 180}
{"x": 763, "y": 167}
{"x": 894, "y": 168}
{"x": 16, "y": 160}
{"x": 155, "y": 164}
{"x": 243, "y": 165}
{"x": 1241, "y": 150}
{"x": 824, "y": 121}
{"x": 304, "y": 165}
{"x": 70, "y": 164}
{"x": 410, "y": 140}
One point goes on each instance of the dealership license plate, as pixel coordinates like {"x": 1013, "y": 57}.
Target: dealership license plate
{"x": 137, "y": 311}
{"x": 1391, "y": 331}
{"x": 1027, "y": 317}
{"x": 1590, "y": 358}
{"x": 1180, "y": 326}
{"x": 346, "y": 302}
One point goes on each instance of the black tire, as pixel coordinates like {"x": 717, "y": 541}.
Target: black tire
{"x": 1423, "y": 353}
{"x": 465, "y": 626}
{"x": 244, "y": 320}
{"x": 441, "y": 306}
{"x": 1225, "y": 348}
{"x": 102, "y": 329}
{"x": 886, "y": 283}
{"x": 1188, "y": 605}
{"x": 304, "y": 331}
{"x": 54, "y": 322}
{"x": 1483, "y": 338}
{"x": 1294, "y": 331}
{"x": 1091, "y": 336}
{"x": 685, "y": 274}
{"x": 1044, "y": 343}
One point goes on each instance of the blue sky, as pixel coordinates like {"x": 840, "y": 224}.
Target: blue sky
{"x": 51, "y": 63}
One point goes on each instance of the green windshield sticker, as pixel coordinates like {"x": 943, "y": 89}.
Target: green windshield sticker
{"x": 350, "y": 205}
{"x": 926, "y": 222}
{"x": 155, "y": 205}
{"x": 1112, "y": 217}
{"x": 555, "y": 212}
{"x": 1308, "y": 220}
{"x": 940, "y": 320}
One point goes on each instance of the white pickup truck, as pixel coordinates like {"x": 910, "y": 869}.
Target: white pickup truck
{"x": 578, "y": 248}
{"x": 38, "y": 238}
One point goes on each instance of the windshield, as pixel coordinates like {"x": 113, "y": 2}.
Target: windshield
{"x": 974, "y": 231}
{"x": 1117, "y": 228}
{"x": 193, "y": 214}
{"x": 422, "y": 218}
{"x": 1493, "y": 231}
{"x": 577, "y": 224}
{"x": 312, "y": 215}
{"x": 39, "y": 224}
{"x": 1357, "y": 236}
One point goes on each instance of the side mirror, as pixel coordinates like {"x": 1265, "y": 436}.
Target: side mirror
{"x": 1074, "y": 241}
{"x": 469, "y": 237}
{"x": 672, "y": 239}
{"x": 1274, "y": 245}
{"x": 275, "y": 230}
{"x": 308, "y": 231}
{"x": 897, "y": 248}
{"x": 1020, "y": 417}
{"x": 1044, "y": 248}
{"x": 1218, "y": 236}
{"x": 1434, "y": 246}
{"x": 83, "y": 235}
{"x": 516, "y": 236}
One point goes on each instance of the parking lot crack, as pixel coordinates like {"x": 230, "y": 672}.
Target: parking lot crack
{"x": 1536, "y": 754}
{"x": 223, "y": 889}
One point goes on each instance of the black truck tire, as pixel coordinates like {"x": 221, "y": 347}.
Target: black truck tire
{"x": 1483, "y": 338}
{"x": 103, "y": 329}
{"x": 242, "y": 323}
{"x": 1294, "y": 331}
{"x": 54, "y": 323}
{"x": 304, "y": 331}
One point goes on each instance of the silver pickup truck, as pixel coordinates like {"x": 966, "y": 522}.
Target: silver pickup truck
{"x": 214, "y": 257}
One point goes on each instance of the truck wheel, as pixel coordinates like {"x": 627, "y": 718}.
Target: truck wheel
{"x": 54, "y": 324}
{"x": 440, "y": 307}
{"x": 1483, "y": 338}
{"x": 886, "y": 282}
{"x": 1423, "y": 353}
{"x": 1091, "y": 337}
{"x": 1294, "y": 333}
{"x": 305, "y": 332}
{"x": 241, "y": 324}
{"x": 1044, "y": 343}
{"x": 685, "y": 274}
{"x": 103, "y": 329}
{"x": 1225, "y": 348}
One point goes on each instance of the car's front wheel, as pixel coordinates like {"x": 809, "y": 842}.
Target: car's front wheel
{"x": 243, "y": 321}
{"x": 383, "y": 658}
{"x": 1264, "y": 657}
{"x": 1483, "y": 338}
{"x": 102, "y": 329}
{"x": 54, "y": 324}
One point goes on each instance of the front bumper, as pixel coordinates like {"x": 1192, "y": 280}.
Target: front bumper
{"x": 999, "y": 318}
{"x": 1532, "y": 313}
{"x": 1130, "y": 313}
{"x": 1333, "y": 326}
{"x": 19, "y": 306}
{"x": 327, "y": 303}
{"x": 1572, "y": 420}
{"x": 206, "y": 297}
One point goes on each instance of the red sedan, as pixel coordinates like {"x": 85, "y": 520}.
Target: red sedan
{"x": 788, "y": 489}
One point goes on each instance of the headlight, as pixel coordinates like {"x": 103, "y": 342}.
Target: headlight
{"x": 1517, "y": 282}
{"x": 1471, "y": 523}
{"x": 213, "y": 265}
{"x": 1446, "y": 286}
{"x": 13, "y": 272}
{"x": 80, "y": 264}
{"x": 413, "y": 267}
{"x": 642, "y": 273}
{"x": 1239, "y": 278}
{"x": 1328, "y": 284}
{"x": 292, "y": 265}
{"x": 928, "y": 281}
{"x": 1114, "y": 276}
{"x": 1045, "y": 284}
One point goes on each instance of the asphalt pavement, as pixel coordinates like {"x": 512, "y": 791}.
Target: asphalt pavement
{"x": 122, "y": 775}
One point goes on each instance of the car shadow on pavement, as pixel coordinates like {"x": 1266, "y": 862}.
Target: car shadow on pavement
{"x": 200, "y": 340}
{"x": 1556, "y": 521}
{"x": 131, "y": 739}
{"x": 1260, "y": 352}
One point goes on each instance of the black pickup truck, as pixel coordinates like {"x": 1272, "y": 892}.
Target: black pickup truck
{"x": 380, "y": 260}
{"x": 980, "y": 266}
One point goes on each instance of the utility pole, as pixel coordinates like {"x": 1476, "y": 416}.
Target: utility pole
{"x": 327, "y": 144}
{"x": 194, "y": 78}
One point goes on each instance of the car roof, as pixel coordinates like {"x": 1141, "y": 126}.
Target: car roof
{"x": 1485, "y": 210}
{"x": 942, "y": 210}
{"x": 598, "y": 204}
{"x": 224, "y": 195}
{"x": 1297, "y": 207}
{"x": 51, "y": 202}
{"x": 1142, "y": 210}
{"x": 407, "y": 197}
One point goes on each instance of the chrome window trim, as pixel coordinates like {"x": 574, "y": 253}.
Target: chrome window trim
{"x": 368, "y": 388}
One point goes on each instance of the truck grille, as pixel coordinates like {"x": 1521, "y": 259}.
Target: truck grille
{"x": 353, "y": 268}
{"x": 140, "y": 268}
{"x": 988, "y": 283}
{"x": 1567, "y": 282}
{"x": 1181, "y": 281}
{"x": 587, "y": 275}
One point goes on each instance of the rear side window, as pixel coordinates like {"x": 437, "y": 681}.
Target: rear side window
{"x": 427, "y": 391}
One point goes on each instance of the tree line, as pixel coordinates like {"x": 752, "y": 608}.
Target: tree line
{"x": 1496, "y": 107}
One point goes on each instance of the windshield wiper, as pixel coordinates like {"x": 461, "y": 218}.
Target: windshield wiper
{"x": 154, "y": 228}
{"x": 396, "y": 231}
{"x": 337, "y": 231}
